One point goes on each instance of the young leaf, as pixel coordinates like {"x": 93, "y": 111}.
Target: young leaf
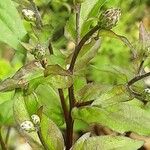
{"x": 122, "y": 117}
{"x": 12, "y": 30}
{"x": 111, "y": 142}
{"x": 84, "y": 60}
{"x": 51, "y": 134}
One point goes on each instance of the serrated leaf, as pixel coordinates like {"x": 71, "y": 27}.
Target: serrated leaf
{"x": 51, "y": 134}
{"x": 111, "y": 142}
{"x": 122, "y": 117}
{"x": 117, "y": 94}
{"x": 12, "y": 30}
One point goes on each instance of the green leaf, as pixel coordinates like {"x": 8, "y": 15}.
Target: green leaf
{"x": 91, "y": 52}
{"x": 117, "y": 94}
{"x": 21, "y": 114}
{"x": 122, "y": 117}
{"x": 31, "y": 102}
{"x": 80, "y": 142}
{"x": 110, "y": 33}
{"x": 50, "y": 101}
{"x": 26, "y": 73}
{"x": 111, "y": 142}
{"x": 51, "y": 134}
{"x": 89, "y": 92}
{"x": 12, "y": 30}
{"x": 55, "y": 70}
{"x": 6, "y": 116}
{"x": 59, "y": 82}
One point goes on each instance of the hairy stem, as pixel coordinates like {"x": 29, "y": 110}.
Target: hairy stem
{"x": 3, "y": 146}
{"x": 79, "y": 46}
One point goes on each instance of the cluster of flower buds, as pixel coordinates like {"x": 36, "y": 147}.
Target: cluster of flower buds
{"x": 39, "y": 52}
{"x": 29, "y": 15}
{"x": 30, "y": 126}
{"x": 109, "y": 18}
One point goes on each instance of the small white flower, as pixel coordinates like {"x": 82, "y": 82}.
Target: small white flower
{"x": 28, "y": 14}
{"x": 35, "y": 119}
{"x": 147, "y": 90}
{"x": 27, "y": 126}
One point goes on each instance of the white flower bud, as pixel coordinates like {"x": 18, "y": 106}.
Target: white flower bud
{"x": 147, "y": 90}
{"x": 35, "y": 119}
{"x": 27, "y": 126}
{"x": 29, "y": 15}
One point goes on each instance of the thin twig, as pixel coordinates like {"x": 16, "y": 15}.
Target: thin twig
{"x": 42, "y": 140}
{"x": 81, "y": 104}
{"x": 79, "y": 46}
{"x": 50, "y": 48}
{"x": 3, "y": 146}
{"x": 7, "y": 135}
{"x": 37, "y": 14}
{"x": 137, "y": 78}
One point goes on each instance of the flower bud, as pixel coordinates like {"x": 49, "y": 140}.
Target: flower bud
{"x": 39, "y": 52}
{"x": 35, "y": 119}
{"x": 147, "y": 90}
{"x": 27, "y": 126}
{"x": 29, "y": 15}
{"x": 109, "y": 18}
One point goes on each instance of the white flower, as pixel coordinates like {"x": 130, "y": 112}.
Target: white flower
{"x": 35, "y": 119}
{"x": 27, "y": 126}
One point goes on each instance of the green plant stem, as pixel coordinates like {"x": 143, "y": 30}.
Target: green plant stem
{"x": 79, "y": 46}
{"x": 3, "y": 146}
